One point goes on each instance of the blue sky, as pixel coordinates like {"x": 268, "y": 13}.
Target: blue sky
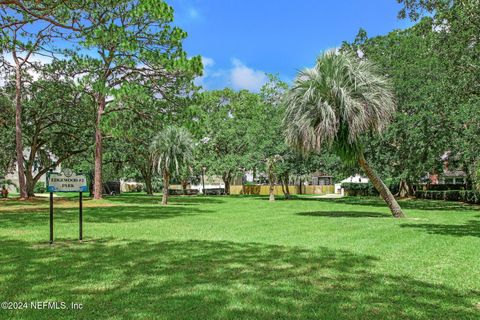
{"x": 240, "y": 40}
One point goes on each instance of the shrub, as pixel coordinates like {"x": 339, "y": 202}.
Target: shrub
{"x": 469, "y": 196}
{"x": 359, "y": 189}
{"x": 39, "y": 187}
{"x": 367, "y": 189}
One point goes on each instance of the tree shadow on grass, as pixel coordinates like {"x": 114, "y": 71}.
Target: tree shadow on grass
{"x": 215, "y": 280}
{"x": 416, "y": 204}
{"x": 345, "y": 214}
{"x": 144, "y": 199}
{"x": 469, "y": 229}
{"x": 110, "y": 214}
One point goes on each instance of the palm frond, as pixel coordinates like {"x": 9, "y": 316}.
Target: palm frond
{"x": 335, "y": 103}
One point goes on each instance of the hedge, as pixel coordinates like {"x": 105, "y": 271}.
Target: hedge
{"x": 367, "y": 189}
{"x": 469, "y": 196}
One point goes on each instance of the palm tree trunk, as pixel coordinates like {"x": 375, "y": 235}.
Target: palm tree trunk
{"x": 381, "y": 188}
{"x": 271, "y": 191}
{"x": 166, "y": 183}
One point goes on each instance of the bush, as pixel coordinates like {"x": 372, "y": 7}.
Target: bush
{"x": 469, "y": 196}
{"x": 40, "y": 187}
{"x": 359, "y": 189}
{"x": 445, "y": 187}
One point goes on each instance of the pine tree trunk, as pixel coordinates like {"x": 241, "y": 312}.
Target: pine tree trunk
{"x": 381, "y": 188}
{"x": 97, "y": 189}
{"x": 166, "y": 184}
{"x": 18, "y": 133}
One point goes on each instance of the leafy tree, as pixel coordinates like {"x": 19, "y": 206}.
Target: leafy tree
{"x": 172, "y": 149}
{"x": 56, "y": 122}
{"x": 434, "y": 70}
{"x": 335, "y": 104}
{"x": 135, "y": 46}
{"x": 229, "y": 126}
{"x": 7, "y": 134}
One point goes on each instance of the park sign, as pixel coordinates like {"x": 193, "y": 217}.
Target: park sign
{"x": 66, "y": 181}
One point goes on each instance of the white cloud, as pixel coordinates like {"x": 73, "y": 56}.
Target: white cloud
{"x": 238, "y": 76}
{"x": 207, "y": 62}
{"x": 243, "y": 77}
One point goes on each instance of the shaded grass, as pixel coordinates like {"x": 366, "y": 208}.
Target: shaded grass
{"x": 242, "y": 258}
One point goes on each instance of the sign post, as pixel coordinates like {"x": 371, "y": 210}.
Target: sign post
{"x": 51, "y": 217}
{"x": 80, "y": 216}
{"x": 66, "y": 181}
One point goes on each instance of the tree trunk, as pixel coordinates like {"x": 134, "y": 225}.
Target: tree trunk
{"x": 286, "y": 190}
{"x": 30, "y": 184}
{"x": 271, "y": 194}
{"x": 147, "y": 178}
{"x": 381, "y": 188}
{"x": 300, "y": 185}
{"x": 226, "y": 180}
{"x": 18, "y": 133}
{"x": 184, "y": 186}
{"x": 166, "y": 183}
{"x": 97, "y": 189}
{"x": 405, "y": 189}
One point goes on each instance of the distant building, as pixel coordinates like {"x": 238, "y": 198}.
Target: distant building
{"x": 321, "y": 179}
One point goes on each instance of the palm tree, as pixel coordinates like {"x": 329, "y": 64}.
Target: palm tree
{"x": 171, "y": 149}
{"x": 271, "y": 165}
{"x": 335, "y": 104}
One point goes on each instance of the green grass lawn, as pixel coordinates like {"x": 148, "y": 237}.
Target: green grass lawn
{"x": 242, "y": 258}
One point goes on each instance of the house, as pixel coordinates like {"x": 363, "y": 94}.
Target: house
{"x": 449, "y": 175}
{"x": 321, "y": 179}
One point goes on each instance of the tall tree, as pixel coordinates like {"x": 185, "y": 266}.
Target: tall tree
{"x": 172, "y": 149}
{"x": 135, "y": 45}
{"x": 337, "y": 103}
{"x": 27, "y": 28}
{"x": 230, "y": 126}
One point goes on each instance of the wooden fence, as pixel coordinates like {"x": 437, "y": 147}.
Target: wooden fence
{"x": 264, "y": 190}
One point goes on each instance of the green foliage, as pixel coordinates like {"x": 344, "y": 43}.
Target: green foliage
{"x": 335, "y": 104}
{"x": 7, "y": 133}
{"x": 231, "y": 127}
{"x": 367, "y": 189}
{"x": 172, "y": 149}
{"x": 434, "y": 70}
{"x": 359, "y": 189}
{"x": 469, "y": 196}
{"x": 40, "y": 187}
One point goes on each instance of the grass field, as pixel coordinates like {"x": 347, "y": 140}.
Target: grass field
{"x": 242, "y": 258}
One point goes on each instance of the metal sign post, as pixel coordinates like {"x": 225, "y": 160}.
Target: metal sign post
{"x": 51, "y": 217}
{"x": 67, "y": 181}
{"x": 80, "y": 216}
